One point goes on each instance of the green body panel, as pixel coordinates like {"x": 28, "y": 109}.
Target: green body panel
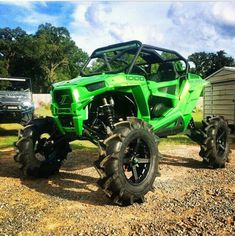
{"x": 184, "y": 98}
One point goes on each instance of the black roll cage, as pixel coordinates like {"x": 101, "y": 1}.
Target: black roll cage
{"x": 141, "y": 47}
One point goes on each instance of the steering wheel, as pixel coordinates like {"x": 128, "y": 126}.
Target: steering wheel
{"x": 139, "y": 70}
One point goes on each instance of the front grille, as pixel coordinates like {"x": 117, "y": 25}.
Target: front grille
{"x": 66, "y": 120}
{"x": 63, "y": 98}
{"x": 63, "y": 110}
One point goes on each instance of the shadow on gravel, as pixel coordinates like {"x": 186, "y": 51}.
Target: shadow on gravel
{"x": 8, "y": 167}
{"x": 70, "y": 186}
{"x": 80, "y": 159}
{"x": 182, "y": 161}
{"x": 78, "y": 185}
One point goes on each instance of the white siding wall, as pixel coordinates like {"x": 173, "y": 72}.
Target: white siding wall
{"x": 219, "y": 97}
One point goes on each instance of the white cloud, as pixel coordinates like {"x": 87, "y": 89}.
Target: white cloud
{"x": 98, "y": 24}
{"x": 79, "y": 16}
{"x": 19, "y": 3}
{"x": 201, "y": 27}
{"x": 25, "y": 4}
{"x": 224, "y": 12}
{"x": 28, "y": 12}
{"x": 35, "y": 18}
{"x": 223, "y": 18}
{"x": 186, "y": 27}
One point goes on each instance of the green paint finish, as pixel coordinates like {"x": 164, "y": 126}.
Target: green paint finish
{"x": 182, "y": 92}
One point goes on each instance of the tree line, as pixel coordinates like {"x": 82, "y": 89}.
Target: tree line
{"x": 50, "y": 55}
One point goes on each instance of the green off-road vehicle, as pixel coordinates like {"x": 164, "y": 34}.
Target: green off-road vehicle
{"x": 128, "y": 96}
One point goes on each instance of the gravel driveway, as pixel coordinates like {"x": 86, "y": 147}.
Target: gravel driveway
{"x": 189, "y": 199}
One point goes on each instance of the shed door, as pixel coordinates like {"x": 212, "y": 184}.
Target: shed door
{"x": 223, "y": 102}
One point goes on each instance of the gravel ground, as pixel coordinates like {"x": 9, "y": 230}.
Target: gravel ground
{"x": 189, "y": 199}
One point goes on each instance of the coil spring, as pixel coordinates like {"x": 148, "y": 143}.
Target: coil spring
{"x": 108, "y": 111}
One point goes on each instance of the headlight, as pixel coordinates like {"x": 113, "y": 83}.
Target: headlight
{"x": 27, "y": 104}
{"x": 76, "y": 94}
{"x": 86, "y": 109}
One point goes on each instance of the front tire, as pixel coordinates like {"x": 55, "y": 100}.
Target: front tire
{"x": 215, "y": 149}
{"x": 26, "y": 118}
{"x": 130, "y": 164}
{"x": 41, "y": 156}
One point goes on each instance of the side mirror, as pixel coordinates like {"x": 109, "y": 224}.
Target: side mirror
{"x": 180, "y": 66}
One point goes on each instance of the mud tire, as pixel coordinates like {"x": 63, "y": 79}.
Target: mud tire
{"x": 27, "y": 118}
{"x": 215, "y": 148}
{"x": 52, "y": 150}
{"x": 118, "y": 146}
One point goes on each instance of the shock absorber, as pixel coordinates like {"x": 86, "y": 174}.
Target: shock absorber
{"x": 108, "y": 111}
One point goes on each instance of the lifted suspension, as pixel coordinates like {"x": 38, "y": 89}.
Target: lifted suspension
{"x": 197, "y": 135}
{"x": 108, "y": 111}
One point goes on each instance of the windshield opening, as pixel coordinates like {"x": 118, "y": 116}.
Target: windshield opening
{"x": 14, "y": 85}
{"x": 114, "y": 59}
{"x": 123, "y": 58}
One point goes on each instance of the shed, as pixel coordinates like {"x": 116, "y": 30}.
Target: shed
{"x": 219, "y": 95}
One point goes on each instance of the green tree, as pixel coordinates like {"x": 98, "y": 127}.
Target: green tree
{"x": 3, "y": 70}
{"x": 48, "y": 56}
{"x": 59, "y": 57}
{"x": 8, "y": 47}
{"x": 208, "y": 63}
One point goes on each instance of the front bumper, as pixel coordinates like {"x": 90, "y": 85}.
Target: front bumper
{"x": 12, "y": 114}
{"x": 70, "y": 120}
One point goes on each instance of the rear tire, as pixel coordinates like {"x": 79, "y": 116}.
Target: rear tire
{"x": 130, "y": 164}
{"x": 40, "y": 156}
{"x": 215, "y": 149}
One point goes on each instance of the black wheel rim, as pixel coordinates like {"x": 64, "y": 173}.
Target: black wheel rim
{"x": 221, "y": 141}
{"x": 43, "y": 149}
{"x": 136, "y": 161}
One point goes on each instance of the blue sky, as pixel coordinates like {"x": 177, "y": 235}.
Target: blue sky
{"x": 183, "y": 26}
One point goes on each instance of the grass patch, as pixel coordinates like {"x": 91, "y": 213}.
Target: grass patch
{"x": 7, "y": 141}
{"x": 8, "y": 133}
{"x": 176, "y": 139}
{"x": 198, "y": 117}
{"x": 83, "y": 145}
{"x": 183, "y": 139}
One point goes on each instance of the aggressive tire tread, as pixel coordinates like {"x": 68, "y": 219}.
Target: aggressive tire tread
{"x": 209, "y": 150}
{"x": 112, "y": 181}
{"x": 25, "y": 150}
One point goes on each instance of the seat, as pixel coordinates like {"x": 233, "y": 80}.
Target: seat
{"x": 166, "y": 72}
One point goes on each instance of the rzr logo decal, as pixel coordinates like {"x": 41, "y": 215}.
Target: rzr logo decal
{"x": 64, "y": 99}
